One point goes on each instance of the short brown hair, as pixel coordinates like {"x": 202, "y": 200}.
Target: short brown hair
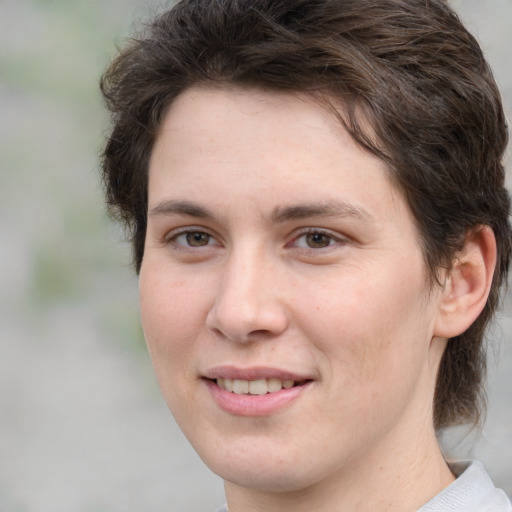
{"x": 409, "y": 67}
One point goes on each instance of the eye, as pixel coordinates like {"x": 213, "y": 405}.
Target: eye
{"x": 316, "y": 239}
{"x": 192, "y": 238}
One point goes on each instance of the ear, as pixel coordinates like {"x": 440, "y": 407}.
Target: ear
{"x": 467, "y": 284}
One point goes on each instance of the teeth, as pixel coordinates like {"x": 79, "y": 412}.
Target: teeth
{"x": 240, "y": 386}
{"x": 228, "y": 384}
{"x": 274, "y": 385}
{"x": 254, "y": 387}
{"x": 258, "y": 387}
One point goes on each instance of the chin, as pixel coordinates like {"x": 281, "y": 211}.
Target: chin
{"x": 263, "y": 479}
{"x": 264, "y": 468}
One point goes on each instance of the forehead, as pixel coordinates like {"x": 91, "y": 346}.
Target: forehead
{"x": 208, "y": 111}
{"x": 266, "y": 144}
{"x": 210, "y": 119}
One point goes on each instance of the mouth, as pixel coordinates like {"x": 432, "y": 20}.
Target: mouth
{"x": 256, "y": 387}
{"x": 255, "y": 391}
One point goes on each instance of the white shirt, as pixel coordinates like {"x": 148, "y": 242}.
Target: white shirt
{"x": 473, "y": 491}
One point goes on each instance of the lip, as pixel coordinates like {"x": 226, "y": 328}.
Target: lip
{"x": 254, "y": 405}
{"x": 254, "y": 373}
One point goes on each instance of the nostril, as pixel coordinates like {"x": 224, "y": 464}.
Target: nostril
{"x": 259, "y": 333}
{"x": 240, "y": 336}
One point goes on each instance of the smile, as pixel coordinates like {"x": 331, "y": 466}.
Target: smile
{"x": 255, "y": 387}
{"x": 255, "y": 391}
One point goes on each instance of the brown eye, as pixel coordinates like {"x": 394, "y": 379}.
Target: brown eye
{"x": 318, "y": 240}
{"x": 197, "y": 238}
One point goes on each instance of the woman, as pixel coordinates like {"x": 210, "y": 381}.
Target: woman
{"x": 319, "y": 220}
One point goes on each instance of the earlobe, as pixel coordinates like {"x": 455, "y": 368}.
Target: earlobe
{"x": 467, "y": 284}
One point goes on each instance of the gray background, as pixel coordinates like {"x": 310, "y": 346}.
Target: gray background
{"x": 83, "y": 426}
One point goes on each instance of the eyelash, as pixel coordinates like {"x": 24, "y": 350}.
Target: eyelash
{"x": 186, "y": 232}
{"x": 332, "y": 239}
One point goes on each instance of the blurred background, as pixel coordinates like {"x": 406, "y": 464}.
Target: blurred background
{"x": 82, "y": 425}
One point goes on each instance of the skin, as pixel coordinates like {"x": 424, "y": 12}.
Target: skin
{"x": 230, "y": 276}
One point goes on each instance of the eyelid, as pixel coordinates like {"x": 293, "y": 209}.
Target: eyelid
{"x": 173, "y": 234}
{"x": 337, "y": 237}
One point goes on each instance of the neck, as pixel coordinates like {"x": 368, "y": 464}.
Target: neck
{"x": 413, "y": 474}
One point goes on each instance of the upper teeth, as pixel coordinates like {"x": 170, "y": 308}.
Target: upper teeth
{"x": 254, "y": 387}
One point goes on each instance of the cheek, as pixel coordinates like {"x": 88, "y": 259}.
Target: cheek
{"x": 170, "y": 314}
{"x": 369, "y": 330}
{"x": 168, "y": 323}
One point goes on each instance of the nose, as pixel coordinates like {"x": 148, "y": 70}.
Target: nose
{"x": 249, "y": 303}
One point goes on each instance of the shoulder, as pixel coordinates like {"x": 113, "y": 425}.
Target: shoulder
{"x": 472, "y": 491}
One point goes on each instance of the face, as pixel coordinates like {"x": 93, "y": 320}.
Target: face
{"x": 283, "y": 292}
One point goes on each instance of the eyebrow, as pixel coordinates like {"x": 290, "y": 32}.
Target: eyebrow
{"x": 279, "y": 215}
{"x": 170, "y": 207}
{"x": 321, "y": 209}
